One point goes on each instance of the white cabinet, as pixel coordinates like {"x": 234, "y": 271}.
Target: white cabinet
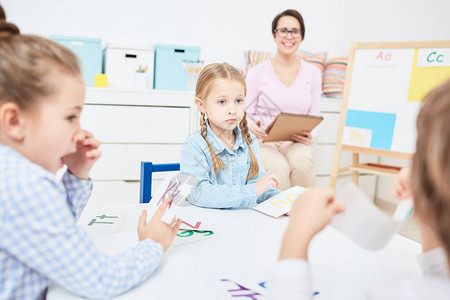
{"x": 330, "y": 109}
{"x": 134, "y": 126}
{"x": 137, "y": 124}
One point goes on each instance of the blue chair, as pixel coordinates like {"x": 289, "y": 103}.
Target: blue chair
{"x": 147, "y": 169}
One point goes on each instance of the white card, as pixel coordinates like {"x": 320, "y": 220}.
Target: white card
{"x": 404, "y": 210}
{"x": 190, "y": 223}
{"x": 102, "y": 219}
{"x": 363, "y": 222}
{"x": 257, "y": 283}
{"x": 178, "y": 186}
{"x": 240, "y": 290}
{"x": 189, "y": 236}
{"x": 280, "y": 204}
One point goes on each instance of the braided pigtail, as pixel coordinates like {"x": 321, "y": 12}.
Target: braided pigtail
{"x": 218, "y": 164}
{"x": 254, "y": 167}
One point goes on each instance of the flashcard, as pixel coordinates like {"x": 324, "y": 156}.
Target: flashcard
{"x": 259, "y": 286}
{"x": 252, "y": 284}
{"x": 235, "y": 289}
{"x": 404, "y": 210}
{"x": 103, "y": 219}
{"x": 280, "y": 204}
{"x": 363, "y": 222}
{"x": 189, "y": 236}
{"x": 189, "y": 223}
{"x": 178, "y": 186}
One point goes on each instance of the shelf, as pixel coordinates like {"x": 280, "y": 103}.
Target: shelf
{"x": 372, "y": 168}
{"x": 112, "y": 96}
{"x": 135, "y": 91}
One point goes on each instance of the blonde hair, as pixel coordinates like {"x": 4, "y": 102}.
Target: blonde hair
{"x": 431, "y": 164}
{"x": 206, "y": 79}
{"x": 25, "y": 63}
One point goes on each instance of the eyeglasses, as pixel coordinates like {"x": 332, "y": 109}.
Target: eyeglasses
{"x": 283, "y": 32}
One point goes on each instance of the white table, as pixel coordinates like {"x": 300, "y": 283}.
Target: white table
{"x": 245, "y": 245}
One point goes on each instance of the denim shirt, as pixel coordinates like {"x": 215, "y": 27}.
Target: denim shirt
{"x": 230, "y": 188}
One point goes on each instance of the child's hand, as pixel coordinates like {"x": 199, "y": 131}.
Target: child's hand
{"x": 262, "y": 184}
{"x": 310, "y": 213}
{"x": 156, "y": 229}
{"x": 313, "y": 210}
{"x": 80, "y": 162}
{"x": 402, "y": 187}
{"x": 255, "y": 128}
{"x": 303, "y": 137}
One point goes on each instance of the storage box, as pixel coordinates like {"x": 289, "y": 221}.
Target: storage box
{"x": 129, "y": 67}
{"x": 88, "y": 50}
{"x": 170, "y": 74}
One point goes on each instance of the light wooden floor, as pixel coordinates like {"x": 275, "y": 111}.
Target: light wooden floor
{"x": 411, "y": 228}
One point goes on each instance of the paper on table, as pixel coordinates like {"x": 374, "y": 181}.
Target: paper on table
{"x": 254, "y": 283}
{"x": 103, "y": 219}
{"x": 189, "y": 236}
{"x": 280, "y": 204}
{"x": 235, "y": 289}
{"x": 362, "y": 221}
{"x": 179, "y": 186}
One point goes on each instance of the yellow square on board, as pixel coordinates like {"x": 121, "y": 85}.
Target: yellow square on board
{"x": 423, "y": 80}
{"x": 101, "y": 80}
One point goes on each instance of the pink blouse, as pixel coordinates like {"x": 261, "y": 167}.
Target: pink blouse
{"x": 267, "y": 96}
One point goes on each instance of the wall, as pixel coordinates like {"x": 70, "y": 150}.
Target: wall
{"x": 224, "y": 29}
{"x": 391, "y": 20}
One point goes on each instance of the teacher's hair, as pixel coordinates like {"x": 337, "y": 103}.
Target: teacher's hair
{"x": 205, "y": 81}
{"x": 431, "y": 164}
{"x": 291, "y": 13}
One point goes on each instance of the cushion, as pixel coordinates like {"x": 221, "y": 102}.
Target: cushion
{"x": 316, "y": 58}
{"x": 254, "y": 57}
{"x": 334, "y": 77}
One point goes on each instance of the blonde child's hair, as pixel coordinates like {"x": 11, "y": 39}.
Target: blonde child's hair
{"x": 25, "y": 64}
{"x": 206, "y": 79}
{"x": 431, "y": 164}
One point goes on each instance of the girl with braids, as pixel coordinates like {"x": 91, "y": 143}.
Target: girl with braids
{"x": 223, "y": 154}
{"x": 41, "y": 99}
{"x": 428, "y": 182}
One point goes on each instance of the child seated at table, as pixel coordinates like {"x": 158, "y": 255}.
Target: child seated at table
{"x": 223, "y": 154}
{"x": 428, "y": 183}
{"x": 41, "y": 99}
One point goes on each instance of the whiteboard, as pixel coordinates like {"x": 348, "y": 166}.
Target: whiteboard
{"x": 384, "y": 88}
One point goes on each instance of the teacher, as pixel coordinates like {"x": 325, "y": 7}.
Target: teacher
{"x": 285, "y": 83}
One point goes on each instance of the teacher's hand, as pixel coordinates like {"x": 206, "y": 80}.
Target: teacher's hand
{"x": 255, "y": 128}
{"x": 303, "y": 137}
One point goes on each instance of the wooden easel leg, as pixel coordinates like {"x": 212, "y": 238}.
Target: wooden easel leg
{"x": 335, "y": 168}
{"x": 355, "y": 163}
